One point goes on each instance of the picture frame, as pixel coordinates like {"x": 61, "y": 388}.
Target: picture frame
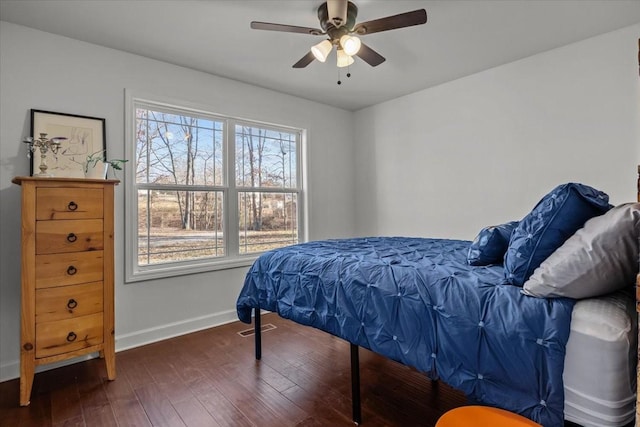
{"x": 84, "y": 135}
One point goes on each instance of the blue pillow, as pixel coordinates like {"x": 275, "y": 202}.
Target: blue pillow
{"x": 490, "y": 244}
{"x": 552, "y": 221}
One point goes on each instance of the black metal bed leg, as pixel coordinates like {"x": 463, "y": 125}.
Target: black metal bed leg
{"x": 257, "y": 333}
{"x": 355, "y": 385}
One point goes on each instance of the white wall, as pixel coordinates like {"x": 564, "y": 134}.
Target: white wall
{"x": 446, "y": 161}
{"x": 47, "y": 72}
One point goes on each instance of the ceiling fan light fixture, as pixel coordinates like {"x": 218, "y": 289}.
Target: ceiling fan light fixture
{"x": 321, "y": 50}
{"x": 344, "y": 60}
{"x": 343, "y": 31}
{"x": 350, "y": 44}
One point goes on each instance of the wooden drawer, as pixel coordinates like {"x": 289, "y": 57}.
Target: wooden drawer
{"x": 68, "y": 203}
{"x": 63, "y": 336}
{"x": 69, "y": 236}
{"x": 68, "y": 268}
{"x": 67, "y": 302}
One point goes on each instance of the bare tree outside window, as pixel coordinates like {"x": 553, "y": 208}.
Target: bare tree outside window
{"x": 182, "y": 183}
{"x": 263, "y": 165}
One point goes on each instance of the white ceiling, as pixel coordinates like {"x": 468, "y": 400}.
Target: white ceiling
{"x": 460, "y": 38}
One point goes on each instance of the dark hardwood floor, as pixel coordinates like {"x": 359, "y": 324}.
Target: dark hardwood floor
{"x": 210, "y": 378}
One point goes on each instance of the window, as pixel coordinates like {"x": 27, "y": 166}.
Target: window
{"x": 209, "y": 191}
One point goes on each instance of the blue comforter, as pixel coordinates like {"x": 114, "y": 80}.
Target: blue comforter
{"x": 417, "y": 301}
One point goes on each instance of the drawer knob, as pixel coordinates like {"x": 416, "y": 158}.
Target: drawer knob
{"x": 72, "y": 206}
{"x": 71, "y": 337}
{"x": 72, "y": 303}
{"x": 71, "y": 237}
{"x": 71, "y": 270}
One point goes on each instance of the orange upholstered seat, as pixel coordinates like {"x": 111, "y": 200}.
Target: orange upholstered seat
{"x": 483, "y": 416}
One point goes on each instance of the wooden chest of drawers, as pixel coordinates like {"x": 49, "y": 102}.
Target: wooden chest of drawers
{"x": 67, "y": 273}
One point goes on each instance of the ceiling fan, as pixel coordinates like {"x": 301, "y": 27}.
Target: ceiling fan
{"x": 338, "y": 22}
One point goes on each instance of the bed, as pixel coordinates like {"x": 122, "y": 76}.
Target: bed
{"x": 518, "y": 327}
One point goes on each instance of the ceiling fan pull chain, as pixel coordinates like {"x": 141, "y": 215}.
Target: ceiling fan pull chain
{"x": 339, "y": 81}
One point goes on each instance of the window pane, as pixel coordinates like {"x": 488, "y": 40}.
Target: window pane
{"x": 184, "y": 177}
{"x": 267, "y": 221}
{"x": 179, "y": 226}
{"x": 265, "y": 158}
{"x": 178, "y": 149}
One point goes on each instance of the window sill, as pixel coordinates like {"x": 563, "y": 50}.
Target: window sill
{"x": 181, "y": 269}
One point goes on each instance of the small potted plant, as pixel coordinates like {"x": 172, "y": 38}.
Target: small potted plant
{"x": 96, "y": 166}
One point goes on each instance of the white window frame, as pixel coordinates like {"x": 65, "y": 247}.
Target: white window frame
{"x": 232, "y": 257}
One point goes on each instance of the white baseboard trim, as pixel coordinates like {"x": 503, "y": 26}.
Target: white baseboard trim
{"x": 170, "y": 330}
{"x": 11, "y": 370}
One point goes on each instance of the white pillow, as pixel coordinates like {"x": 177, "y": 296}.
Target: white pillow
{"x": 599, "y": 258}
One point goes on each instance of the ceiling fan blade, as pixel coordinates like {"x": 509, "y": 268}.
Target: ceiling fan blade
{"x": 304, "y": 61}
{"x": 407, "y": 19}
{"x": 256, "y": 25}
{"x": 370, "y": 56}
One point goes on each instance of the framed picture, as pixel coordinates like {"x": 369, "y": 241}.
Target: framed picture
{"x": 84, "y": 136}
